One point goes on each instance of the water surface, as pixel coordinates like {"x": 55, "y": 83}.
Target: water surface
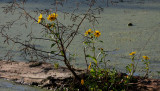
{"x": 143, "y": 37}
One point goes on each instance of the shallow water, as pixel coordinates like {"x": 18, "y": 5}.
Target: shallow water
{"x": 143, "y": 37}
{"x": 10, "y": 86}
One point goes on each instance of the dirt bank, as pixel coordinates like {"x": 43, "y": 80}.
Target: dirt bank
{"x": 45, "y": 75}
{"x": 35, "y": 73}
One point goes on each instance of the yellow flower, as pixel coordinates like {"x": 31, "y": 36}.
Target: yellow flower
{"x": 132, "y": 53}
{"x": 40, "y": 18}
{"x": 89, "y": 66}
{"x": 89, "y": 31}
{"x": 52, "y": 17}
{"x": 145, "y": 57}
{"x": 97, "y": 33}
{"x": 127, "y": 76}
{"x": 82, "y": 81}
{"x": 86, "y": 33}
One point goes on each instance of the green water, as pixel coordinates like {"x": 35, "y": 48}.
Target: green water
{"x": 143, "y": 37}
{"x": 10, "y": 86}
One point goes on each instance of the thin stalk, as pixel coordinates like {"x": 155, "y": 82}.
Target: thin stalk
{"x": 84, "y": 50}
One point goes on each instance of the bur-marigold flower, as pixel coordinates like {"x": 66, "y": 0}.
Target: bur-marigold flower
{"x": 52, "y": 17}
{"x": 40, "y": 18}
{"x": 89, "y": 66}
{"x": 127, "y": 76}
{"x": 132, "y": 53}
{"x": 97, "y": 33}
{"x": 89, "y": 31}
{"x": 145, "y": 57}
{"x": 82, "y": 81}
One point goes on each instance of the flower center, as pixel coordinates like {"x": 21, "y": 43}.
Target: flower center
{"x": 52, "y": 17}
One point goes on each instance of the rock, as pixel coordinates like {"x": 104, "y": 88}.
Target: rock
{"x": 130, "y": 24}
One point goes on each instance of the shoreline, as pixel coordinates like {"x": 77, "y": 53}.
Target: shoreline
{"x": 44, "y": 75}
{"x": 39, "y": 74}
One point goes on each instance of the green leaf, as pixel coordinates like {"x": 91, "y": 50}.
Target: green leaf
{"x": 53, "y": 45}
{"x": 158, "y": 72}
{"x": 92, "y": 70}
{"x": 94, "y": 59}
{"x": 128, "y": 69}
{"x": 87, "y": 42}
{"x": 62, "y": 53}
{"x": 101, "y": 41}
{"x": 57, "y": 34}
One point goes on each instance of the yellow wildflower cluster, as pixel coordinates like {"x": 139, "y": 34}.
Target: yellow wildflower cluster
{"x": 132, "y": 53}
{"x": 145, "y": 57}
{"x": 52, "y": 17}
{"x": 97, "y": 33}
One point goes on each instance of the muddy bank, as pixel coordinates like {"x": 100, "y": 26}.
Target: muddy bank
{"x": 45, "y": 75}
{"x": 36, "y": 73}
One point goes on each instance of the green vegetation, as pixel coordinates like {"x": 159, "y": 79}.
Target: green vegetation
{"x": 96, "y": 78}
